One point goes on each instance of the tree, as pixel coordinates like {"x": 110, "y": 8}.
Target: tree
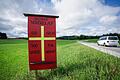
{"x": 3, "y": 36}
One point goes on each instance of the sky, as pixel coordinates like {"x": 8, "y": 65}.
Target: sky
{"x": 76, "y": 17}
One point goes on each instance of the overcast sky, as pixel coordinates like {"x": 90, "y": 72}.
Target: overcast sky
{"x": 88, "y": 17}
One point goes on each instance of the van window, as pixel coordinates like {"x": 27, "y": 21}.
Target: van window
{"x": 103, "y": 38}
{"x": 112, "y": 38}
{"x": 100, "y": 38}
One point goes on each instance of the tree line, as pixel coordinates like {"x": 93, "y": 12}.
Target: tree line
{"x": 82, "y": 37}
{"x": 3, "y": 35}
{"x": 74, "y": 37}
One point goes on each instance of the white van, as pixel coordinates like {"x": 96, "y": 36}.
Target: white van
{"x": 108, "y": 41}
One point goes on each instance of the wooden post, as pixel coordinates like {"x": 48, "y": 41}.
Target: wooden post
{"x": 51, "y": 71}
{"x": 36, "y": 75}
{"x": 28, "y": 75}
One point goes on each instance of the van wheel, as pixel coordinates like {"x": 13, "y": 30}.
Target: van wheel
{"x": 98, "y": 44}
{"x": 116, "y": 46}
{"x": 104, "y": 45}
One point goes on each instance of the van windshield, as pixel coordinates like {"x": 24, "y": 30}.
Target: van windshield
{"x": 112, "y": 38}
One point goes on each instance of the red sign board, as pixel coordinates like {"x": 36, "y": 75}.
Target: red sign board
{"x": 42, "y": 41}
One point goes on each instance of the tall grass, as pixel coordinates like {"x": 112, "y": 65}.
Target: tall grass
{"x": 74, "y": 61}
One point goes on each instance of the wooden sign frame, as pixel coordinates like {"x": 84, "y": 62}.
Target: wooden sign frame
{"x": 42, "y": 41}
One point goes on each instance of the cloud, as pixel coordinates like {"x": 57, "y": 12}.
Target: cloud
{"x": 78, "y": 14}
{"x": 90, "y": 17}
{"x": 12, "y": 20}
{"x": 11, "y": 17}
{"x": 108, "y": 19}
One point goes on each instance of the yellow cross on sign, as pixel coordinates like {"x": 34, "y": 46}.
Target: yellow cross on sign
{"x": 42, "y": 38}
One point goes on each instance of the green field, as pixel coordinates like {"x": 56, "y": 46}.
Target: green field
{"x": 91, "y": 40}
{"x": 75, "y": 62}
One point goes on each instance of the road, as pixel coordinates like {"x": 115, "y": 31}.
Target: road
{"x": 115, "y": 51}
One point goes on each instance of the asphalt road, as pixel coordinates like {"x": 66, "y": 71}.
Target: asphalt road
{"x": 115, "y": 51}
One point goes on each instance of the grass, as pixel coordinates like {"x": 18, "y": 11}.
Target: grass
{"x": 75, "y": 62}
{"x": 64, "y": 42}
{"x": 12, "y": 41}
{"x": 91, "y": 40}
{"x": 13, "y": 59}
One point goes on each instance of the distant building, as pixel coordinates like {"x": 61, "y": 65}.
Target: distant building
{"x": 3, "y": 36}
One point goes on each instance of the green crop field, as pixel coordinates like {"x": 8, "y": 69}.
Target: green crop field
{"x": 75, "y": 62}
{"x": 91, "y": 40}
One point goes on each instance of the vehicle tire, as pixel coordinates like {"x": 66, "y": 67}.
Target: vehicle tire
{"x": 115, "y": 46}
{"x": 98, "y": 44}
{"x": 105, "y": 45}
